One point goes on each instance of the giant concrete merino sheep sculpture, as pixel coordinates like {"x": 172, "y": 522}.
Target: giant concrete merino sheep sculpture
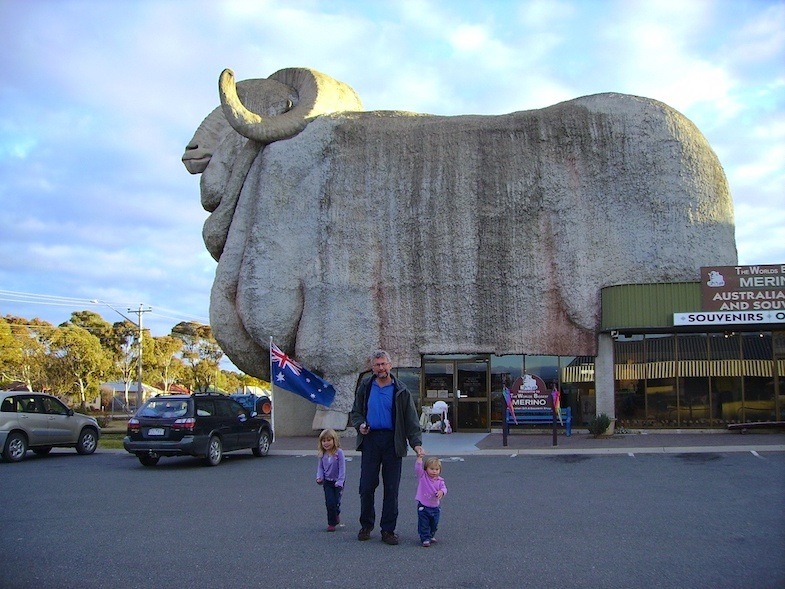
{"x": 337, "y": 231}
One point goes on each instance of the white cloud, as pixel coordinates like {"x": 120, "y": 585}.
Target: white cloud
{"x": 99, "y": 100}
{"x": 469, "y": 38}
{"x": 761, "y": 38}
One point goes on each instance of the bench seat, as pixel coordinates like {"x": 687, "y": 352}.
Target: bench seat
{"x": 535, "y": 417}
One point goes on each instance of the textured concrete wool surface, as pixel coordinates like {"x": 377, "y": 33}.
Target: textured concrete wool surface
{"x": 462, "y": 234}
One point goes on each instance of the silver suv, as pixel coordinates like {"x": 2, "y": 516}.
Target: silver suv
{"x": 39, "y": 422}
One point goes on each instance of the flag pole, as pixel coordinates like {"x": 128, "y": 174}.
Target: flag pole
{"x": 272, "y": 386}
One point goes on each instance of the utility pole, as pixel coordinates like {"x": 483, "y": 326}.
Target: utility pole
{"x": 139, "y": 312}
{"x": 139, "y": 390}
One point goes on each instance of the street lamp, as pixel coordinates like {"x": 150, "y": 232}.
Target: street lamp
{"x": 140, "y": 313}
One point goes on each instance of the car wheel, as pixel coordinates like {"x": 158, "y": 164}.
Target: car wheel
{"x": 42, "y": 450}
{"x": 148, "y": 460}
{"x": 15, "y": 447}
{"x": 88, "y": 441}
{"x": 214, "y": 451}
{"x": 263, "y": 444}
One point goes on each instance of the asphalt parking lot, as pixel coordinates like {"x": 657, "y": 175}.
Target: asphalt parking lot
{"x": 683, "y": 519}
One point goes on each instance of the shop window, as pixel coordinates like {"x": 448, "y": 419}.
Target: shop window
{"x": 694, "y": 390}
{"x": 504, "y": 371}
{"x": 411, "y": 378}
{"x": 472, "y": 377}
{"x": 546, "y": 367}
{"x": 630, "y": 380}
{"x": 758, "y": 377}
{"x": 662, "y": 405}
{"x": 726, "y": 381}
{"x": 696, "y": 380}
{"x": 576, "y": 381}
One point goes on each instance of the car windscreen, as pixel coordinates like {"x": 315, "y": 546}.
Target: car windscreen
{"x": 164, "y": 408}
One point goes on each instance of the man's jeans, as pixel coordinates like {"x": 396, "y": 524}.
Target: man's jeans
{"x": 427, "y": 521}
{"x": 378, "y": 452}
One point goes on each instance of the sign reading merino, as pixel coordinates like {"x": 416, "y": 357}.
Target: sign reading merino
{"x": 743, "y": 288}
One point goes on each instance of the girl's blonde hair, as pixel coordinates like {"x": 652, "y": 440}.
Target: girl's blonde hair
{"x": 329, "y": 433}
{"x": 432, "y": 461}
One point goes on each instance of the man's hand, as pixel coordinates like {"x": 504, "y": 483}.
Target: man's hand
{"x": 420, "y": 451}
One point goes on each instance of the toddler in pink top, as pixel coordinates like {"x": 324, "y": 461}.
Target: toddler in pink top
{"x": 430, "y": 491}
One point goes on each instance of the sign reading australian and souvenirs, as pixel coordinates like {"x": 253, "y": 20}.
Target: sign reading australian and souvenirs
{"x": 734, "y": 295}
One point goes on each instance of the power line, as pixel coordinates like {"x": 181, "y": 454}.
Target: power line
{"x": 52, "y": 301}
{"x": 61, "y": 301}
{"x": 43, "y": 299}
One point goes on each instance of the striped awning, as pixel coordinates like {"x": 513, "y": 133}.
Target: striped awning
{"x": 584, "y": 372}
{"x": 693, "y": 368}
{"x": 578, "y": 373}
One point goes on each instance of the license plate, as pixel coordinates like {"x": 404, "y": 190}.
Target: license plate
{"x": 155, "y": 431}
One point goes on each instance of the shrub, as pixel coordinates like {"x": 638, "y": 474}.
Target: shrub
{"x": 599, "y": 424}
{"x": 102, "y": 420}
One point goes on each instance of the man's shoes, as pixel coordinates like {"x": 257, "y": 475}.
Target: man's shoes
{"x": 365, "y": 534}
{"x": 390, "y": 538}
{"x": 426, "y": 544}
{"x": 330, "y": 528}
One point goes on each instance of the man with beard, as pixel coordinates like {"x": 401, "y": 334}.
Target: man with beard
{"x": 386, "y": 419}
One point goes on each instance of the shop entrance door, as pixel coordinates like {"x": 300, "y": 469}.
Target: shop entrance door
{"x": 464, "y": 384}
{"x": 473, "y": 384}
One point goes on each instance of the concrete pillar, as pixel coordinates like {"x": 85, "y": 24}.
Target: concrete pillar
{"x": 293, "y": 415}
{"x": 603, "y": 376}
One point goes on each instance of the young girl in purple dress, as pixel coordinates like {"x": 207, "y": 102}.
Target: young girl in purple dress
{"x": 331, "y": 475}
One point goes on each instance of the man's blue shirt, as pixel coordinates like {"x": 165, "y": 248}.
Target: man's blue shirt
{"x": 380, "y": 406}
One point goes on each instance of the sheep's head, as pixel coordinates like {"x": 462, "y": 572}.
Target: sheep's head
{"x": 267, "y": 96}
{"x": 315, "y": 94}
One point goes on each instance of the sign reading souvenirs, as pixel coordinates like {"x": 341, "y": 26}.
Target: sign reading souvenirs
{"x": 743, "y": 288}
{"x": 729, "y": 318}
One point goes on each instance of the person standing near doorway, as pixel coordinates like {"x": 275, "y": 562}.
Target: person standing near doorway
{"x": 385, "y": 418}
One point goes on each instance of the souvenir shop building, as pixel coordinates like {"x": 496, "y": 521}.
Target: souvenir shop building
{"x": 687, "y": 355}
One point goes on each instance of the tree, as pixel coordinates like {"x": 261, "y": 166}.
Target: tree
{"x": 119, "y": 342}
{"x": 201, "y": 353}
{"x": 10, "y": 354}
{"x": 165, "y": 365}
{"x": 47, "y": 358}
{"x": 77, "y": 362}
{"x": 95, "y": 324}
{"x": 126, "y": 358}
{"x": 236, "y": 381}
{"x": 32, "y": 337}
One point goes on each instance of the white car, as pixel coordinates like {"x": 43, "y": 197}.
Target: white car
{"x": 40, "y": 422}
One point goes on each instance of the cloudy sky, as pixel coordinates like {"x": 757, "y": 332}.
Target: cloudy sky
{"x": 99, "y": 98}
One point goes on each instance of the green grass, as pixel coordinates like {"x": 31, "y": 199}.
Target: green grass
{"x": 111, "y": 440}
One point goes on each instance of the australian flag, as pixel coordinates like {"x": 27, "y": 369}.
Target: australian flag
{"x": 291, "y": 376}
